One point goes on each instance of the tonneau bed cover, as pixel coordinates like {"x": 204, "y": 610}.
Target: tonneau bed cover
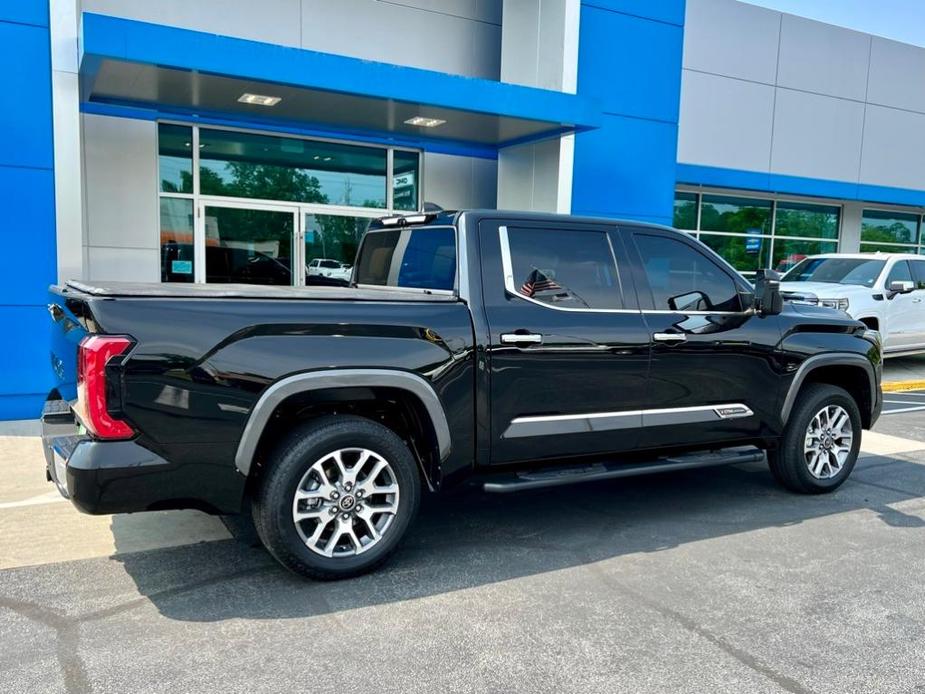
{"x": 245, "y": 291}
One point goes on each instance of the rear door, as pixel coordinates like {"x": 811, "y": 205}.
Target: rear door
{"x": 712, "y": 375}
{"x": 568, "y": 351}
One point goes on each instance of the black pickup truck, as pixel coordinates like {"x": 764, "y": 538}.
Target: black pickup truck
{"x": 510, "y": 350}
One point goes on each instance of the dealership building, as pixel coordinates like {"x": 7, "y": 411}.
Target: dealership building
{"x": 234, "y": 141}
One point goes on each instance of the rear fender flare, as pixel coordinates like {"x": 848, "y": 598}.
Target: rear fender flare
{"x": 339, "y": 378}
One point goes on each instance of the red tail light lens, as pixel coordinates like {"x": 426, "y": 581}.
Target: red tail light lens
{"x": 94, "y": 353}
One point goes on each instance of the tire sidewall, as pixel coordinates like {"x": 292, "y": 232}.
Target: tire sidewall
{"x": 295, "y": 460}
{"x": 819, "y": 398}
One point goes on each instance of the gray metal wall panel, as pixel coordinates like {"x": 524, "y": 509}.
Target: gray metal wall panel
{"x": 120, "y": 183}
{"x": 817, "y": 136}
{"x": 822, "y": 58}
{"x": 897, "y": 75}
{"x": 725, "y": 122}
{"x": 894, "y": 148}
{"x": 272, "y": 21}
{"x": 457, "y": 183}
{"x": 404, "y": 35}
{"x": 731, "y": 38}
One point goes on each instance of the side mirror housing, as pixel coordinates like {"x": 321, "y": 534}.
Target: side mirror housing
{"x": 901, "y": 287}
{"x": 768, "y": 299}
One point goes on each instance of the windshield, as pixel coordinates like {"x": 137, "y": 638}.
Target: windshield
{"x": 860, "y": 271}
{"x": 411, "y": 257}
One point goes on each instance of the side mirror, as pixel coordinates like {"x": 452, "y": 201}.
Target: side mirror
{"x": 901, "y": 287}
{"x": 691, "y": 301}
{"x": 768, "y": 299}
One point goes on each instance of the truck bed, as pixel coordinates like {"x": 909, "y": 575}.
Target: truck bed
{"x": 246, "y": 291}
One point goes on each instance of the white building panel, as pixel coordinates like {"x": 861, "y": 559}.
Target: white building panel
{"x": 725, "y": 122}
{"x": 123, "y": 264}
{"x": 822, "y": 58}
{"x": 727, "y": 37}
{"x": 894, "y": 148}
{"x": 817, "y": 136}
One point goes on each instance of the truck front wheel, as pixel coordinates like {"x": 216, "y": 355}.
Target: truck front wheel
{"x": 337, "y": 497}
{"x": 821, "y": 441}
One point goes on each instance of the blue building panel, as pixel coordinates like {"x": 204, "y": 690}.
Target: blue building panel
{"x": 28, "y": 229}
{"x": 626, "y": 169}
{"x": 33, "y": 12}
{"x": 670, "y": 11}
{"x": 632, "y": 63}
{"x": 25, "y": 100}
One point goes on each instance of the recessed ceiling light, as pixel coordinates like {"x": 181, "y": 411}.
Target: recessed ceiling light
{"x": 316, "y": 157}
{"x": 259, "y": 99}
{"x": 424, "y": 122}
{"x": 327, "y": 158}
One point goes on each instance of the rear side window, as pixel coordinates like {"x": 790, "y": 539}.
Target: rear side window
{"x": 412, "y": 258}
{"x": 683, "y": 279}
{"x": 562, "y": 268}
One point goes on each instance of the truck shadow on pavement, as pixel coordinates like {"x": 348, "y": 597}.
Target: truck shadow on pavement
{"x": 472, "y": 539}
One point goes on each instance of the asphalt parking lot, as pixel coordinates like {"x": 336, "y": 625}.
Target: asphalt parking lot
{"x": 714, "y": 581}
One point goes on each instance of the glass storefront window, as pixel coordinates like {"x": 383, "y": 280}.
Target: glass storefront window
{"x": 735, "y": 215}
{"x": 331, "y": 244}
{"x": 801, "y": 219}
{"x": 881, "y": 226}
{"x": 685, "y": 211}
{"x": 746, "y": 253}
{"x": 249, "y": 245}
{"x": 176, "y": 240}
{"x": 268, "y": 167}
{"x": 789, "y": 252}
{"x": 175, "y": 158}
{"x": 406, "y": 175}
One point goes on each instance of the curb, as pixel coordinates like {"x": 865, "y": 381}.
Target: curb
{"x": 902, "y": 386}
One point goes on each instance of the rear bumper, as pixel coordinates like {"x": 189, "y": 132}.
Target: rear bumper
{"x": 99, "y": 477}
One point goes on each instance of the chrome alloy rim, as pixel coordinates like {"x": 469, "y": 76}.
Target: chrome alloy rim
{"x": 345, "y": 502}
{"x": 828, "y": 442}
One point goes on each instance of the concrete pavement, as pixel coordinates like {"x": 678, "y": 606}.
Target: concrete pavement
{"x": 714, "y": 580}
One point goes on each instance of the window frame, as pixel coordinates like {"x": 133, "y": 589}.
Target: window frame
{"x": 507, "y": 266}
{"x": 644, "y": 288}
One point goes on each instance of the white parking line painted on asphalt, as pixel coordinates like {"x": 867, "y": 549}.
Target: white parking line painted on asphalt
{"x": 876, "y": 443}
{"x": 904, "y": 409}
{"x": 48, "y": 498}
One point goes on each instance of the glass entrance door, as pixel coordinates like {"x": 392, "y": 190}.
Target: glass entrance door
{"x": 330, "y": 246}
{"x": 250, "y": 245}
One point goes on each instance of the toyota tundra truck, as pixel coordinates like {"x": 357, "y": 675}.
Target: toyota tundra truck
{"x": 512, "y": 351}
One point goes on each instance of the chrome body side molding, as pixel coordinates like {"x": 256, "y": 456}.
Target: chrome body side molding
{"x": 547, "y": 425}
{"x": 339, "y": 378}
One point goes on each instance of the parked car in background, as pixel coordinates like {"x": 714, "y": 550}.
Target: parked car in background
{"x": 885, "y": 291}
{"x": 333, "y": 269}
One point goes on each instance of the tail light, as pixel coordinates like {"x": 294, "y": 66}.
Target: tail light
{"x": 93, "y": 391}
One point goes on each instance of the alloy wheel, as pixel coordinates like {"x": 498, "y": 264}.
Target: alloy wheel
{"x": 829, "y": 438}
{"x": 345, "y": 502}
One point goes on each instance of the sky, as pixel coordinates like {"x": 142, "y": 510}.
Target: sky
{"x": 902, "y": 20}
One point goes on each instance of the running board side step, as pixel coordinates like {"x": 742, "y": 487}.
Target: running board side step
{"x": 555, "y": 477}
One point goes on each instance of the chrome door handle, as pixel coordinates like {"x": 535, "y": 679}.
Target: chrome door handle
{"x": 669, "y": 337}
{"x": 515, "y": 338}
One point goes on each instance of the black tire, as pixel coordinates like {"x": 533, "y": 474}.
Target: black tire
{"x": 788, "y": 463}
{"x": 308, "y": 443}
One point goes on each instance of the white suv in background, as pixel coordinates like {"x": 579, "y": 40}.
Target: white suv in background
{"x": 884, "y": 290}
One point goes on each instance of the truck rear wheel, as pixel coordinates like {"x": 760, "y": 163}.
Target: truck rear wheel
{"x": 337, "y": 497}
{"x": 821, "y": 441}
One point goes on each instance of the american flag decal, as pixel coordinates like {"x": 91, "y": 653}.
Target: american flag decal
{"x": 536, "y": 282}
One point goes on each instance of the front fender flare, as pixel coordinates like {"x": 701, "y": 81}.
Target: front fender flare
{"x": 831, "y": 359}
{"x": 338, "y": 378}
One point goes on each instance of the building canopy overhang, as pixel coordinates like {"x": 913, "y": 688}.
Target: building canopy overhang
{"x": 155, "y": 69}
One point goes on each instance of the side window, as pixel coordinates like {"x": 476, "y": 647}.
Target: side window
{"x": 899, "y": 273}
{"x": 918, "y": 273}
{"x": 563, "y": 268}
{"x": 683, "y": 279}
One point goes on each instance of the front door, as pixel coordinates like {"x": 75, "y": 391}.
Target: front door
{"x": 905, "y": 313}
{"x": 249, "y": 244}
{"x": 568, "y": 350}
{"x": 712, "y": 376}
